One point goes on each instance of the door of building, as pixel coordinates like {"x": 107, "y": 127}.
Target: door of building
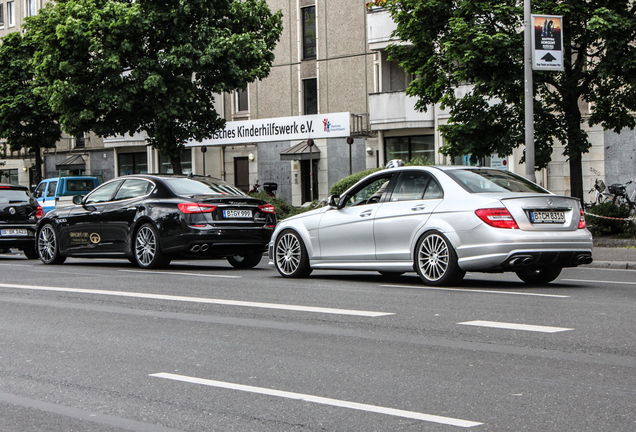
{"x": 305, "y": 175}
{"x": 242, "y": 173}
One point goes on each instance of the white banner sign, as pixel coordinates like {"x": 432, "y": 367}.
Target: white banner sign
{"x": 547, "y": 42}
{"x": 335, "y": 125}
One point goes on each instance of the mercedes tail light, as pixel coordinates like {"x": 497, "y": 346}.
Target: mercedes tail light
{"x": 582, "y": 220}
{"x": 497, "y": 217}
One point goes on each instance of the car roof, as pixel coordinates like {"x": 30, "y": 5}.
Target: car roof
{"x": 13, "y": 186}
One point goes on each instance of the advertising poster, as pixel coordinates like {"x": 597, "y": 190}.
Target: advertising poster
{"x": 547, "y": 41}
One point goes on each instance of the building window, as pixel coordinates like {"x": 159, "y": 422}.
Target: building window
{"x": 11, "y": 13}
{"x": 165, "y": 166}
{"x": 31, "y": 8}
{"x": 310, "y": 96}
{"x": 309, "y": 32}
{"x": 420, "y": 147}
{"x": 132, "y": 163}
{"x": 241, "y": 102}
{"x": 9, "y": 176}
{"x": 80, "y": 142}
{"x": 1, "y": 15}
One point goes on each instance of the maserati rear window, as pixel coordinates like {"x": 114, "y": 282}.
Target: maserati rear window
{"x": 189, "y": 187}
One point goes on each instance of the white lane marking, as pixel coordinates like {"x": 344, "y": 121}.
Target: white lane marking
{"x": 595, "y": 281}
{"x": 203, "y": 300}
{"x": 513, "y": 326}
{"x": 154, "y": 272}
{"x": 17, "y": 265}
{"x": 476, "y": 291}
{"x": 320, "y": 400}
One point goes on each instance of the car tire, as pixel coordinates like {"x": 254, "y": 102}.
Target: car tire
{"x": 48, "y": 245}
{"x": 31, "y": 253}
{"x": 540, "y": 276}
{"x": 436, "y": 260}
{"x": 146, "y": 248}
{"x": 290, "y": 255}
{"x": 247, "y": 261}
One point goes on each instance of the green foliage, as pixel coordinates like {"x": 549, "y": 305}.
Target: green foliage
{"x": 118, "y": 66}
{"x": 600, "y": 226}
{"x": 455, "y": 42}
{"x": 342, "y": 185}
{"x": 283, "y": 209}
{"x": 26, "y": 120}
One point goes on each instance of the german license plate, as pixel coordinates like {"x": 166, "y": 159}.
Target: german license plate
{"x": 547, "y": 216}
{"x": 14, "y": 232}
{"x": 245, "y": 214}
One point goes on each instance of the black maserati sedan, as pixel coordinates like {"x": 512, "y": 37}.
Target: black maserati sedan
{"x": 152, "y": 219}
{"x": 19, "y": 212}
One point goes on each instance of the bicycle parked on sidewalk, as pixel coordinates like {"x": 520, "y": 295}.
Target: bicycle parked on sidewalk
{"x": 599, "y": 194}
{"x": 621, "y": 198}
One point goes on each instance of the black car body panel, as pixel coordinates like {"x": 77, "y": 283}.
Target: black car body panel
{"x": 18, "y": 216}
{"x": 222, "y": 223}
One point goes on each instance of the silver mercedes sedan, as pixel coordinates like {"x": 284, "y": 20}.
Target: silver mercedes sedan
{"x": 439, "y": 221}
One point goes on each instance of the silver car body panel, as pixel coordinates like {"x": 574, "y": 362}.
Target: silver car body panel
{"x": 383, "y": 236}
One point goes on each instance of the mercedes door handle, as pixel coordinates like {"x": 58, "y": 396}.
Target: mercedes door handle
{"x": 419, "y": 207}
{"x": 366, "y": 213}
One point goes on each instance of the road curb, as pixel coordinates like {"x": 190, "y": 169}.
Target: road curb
{"x": 613, "y": 265}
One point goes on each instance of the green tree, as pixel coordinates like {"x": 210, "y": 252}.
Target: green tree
{"x": 481, "y": 42}
{"x": 26, "y": 119}
{"x": 123, "y": 66}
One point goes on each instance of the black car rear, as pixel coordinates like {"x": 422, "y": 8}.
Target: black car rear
{"x": 19, "y": 212}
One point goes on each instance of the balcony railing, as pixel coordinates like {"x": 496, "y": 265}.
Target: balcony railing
{"x": 394, "y": 110}
{"x": 380, "y": 25}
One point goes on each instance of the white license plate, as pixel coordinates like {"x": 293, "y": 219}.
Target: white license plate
{"x": 547, "y": 216}
{"x": 237, "y": 213}
{"x": 14, "y": 232}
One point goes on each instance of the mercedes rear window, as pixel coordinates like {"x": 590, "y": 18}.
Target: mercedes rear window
{"x": 186, "y": 186}
{"x": 493, "y": 180}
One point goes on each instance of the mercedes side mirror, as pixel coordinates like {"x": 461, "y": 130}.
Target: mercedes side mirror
{"x": 334, "y": 201}
{"x": 77, "y": 199}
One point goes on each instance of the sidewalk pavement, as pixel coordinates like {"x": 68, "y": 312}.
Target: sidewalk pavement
{"x": 614, "y": 254}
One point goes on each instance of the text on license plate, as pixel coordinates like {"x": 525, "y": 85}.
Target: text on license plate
{"x": 547, "y": 216}
{"x": 237, "y": 213}
{"x": 14, "y": 232}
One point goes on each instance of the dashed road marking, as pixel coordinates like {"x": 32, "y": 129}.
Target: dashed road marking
{"x": 595, "y": 281}
{"x": 154, "y": 272}
{"x": 513, "y": 326}
{"x": 203, "y": 300}
{"x": 321, "y": 400}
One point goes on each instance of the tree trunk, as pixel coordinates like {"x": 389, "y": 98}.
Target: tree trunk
{"x": 576, "y": 176}
{"x": 176, "y": 165}
{"x": 38, "y": 164}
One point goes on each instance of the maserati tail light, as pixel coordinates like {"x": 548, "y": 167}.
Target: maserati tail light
{"x": 267, "y": 208}
{"x": 190, "y": 208}
{"x": 497, "y": 217}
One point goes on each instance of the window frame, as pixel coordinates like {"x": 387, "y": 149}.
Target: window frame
{"x": 312, "y": 45}
{"x": 11, "y": 14}
{"x": 1, "y": 15}
{"x": 306, "y": 111}
{"x": 237, "y": 100}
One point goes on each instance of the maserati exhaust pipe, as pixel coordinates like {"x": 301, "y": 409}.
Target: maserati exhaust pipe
{"x": 195, "y": 248}
{"x": 204, "y": 247}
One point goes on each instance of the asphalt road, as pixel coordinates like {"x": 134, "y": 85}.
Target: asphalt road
{"x": 99, "y": 345}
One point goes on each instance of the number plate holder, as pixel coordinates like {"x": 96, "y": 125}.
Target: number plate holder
{"x": 551, "y": 216}
{"x": 14, "y": 232}
{"x": 237, "y": 214}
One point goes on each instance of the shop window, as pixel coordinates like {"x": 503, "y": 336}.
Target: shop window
{"x": 132, "y": 163}
{"x": 310, "y": 96}
{"x": 420, "y": 147}
{"x": 309, "y": 32}
{"x": 165, "y": 166}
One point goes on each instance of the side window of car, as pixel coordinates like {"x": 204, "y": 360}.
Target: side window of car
{"x": 50, "y": 190}
{"x": 133, "y": 188}
{"x": 410, "y": 186}
{"x": 433, "y": 190}
{"x": 39, "y": 192}
{"x": 370, "y": 193}
{"x": 103, "y": 193}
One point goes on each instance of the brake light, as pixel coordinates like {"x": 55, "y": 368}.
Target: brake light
{"x": 39, "y": 212}
{"x": 189, "y": 208}
{"x": 497, "y": 217}
{"x": 267, "y": 208}
{"x": 582, "y": 220}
